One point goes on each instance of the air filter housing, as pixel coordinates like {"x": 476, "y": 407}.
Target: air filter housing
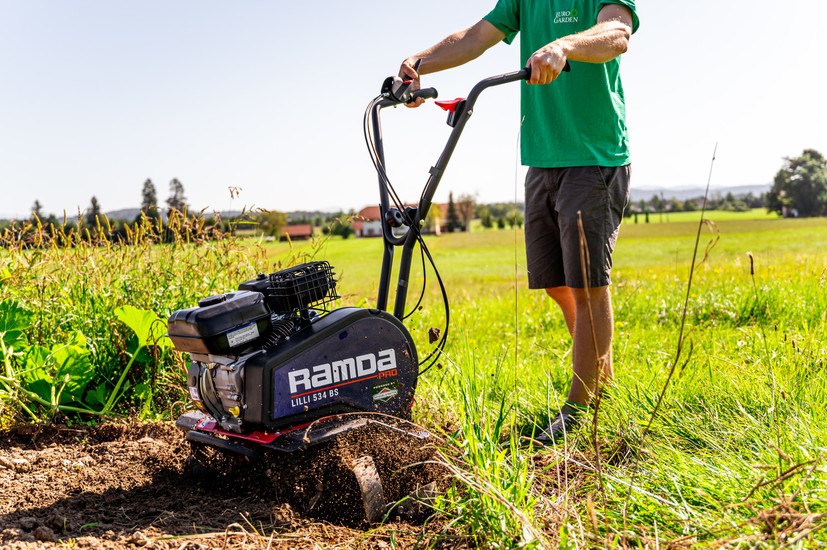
{"x": 305, "y": 286}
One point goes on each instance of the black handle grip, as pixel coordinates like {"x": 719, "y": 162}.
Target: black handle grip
{"x": 425, "y": 93}
{"x": 526, "y": 72}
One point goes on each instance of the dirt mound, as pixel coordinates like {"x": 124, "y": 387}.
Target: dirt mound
{"x": 128, "y": 485}
{"x": 320, "y": 483}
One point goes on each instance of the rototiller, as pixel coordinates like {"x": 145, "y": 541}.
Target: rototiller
{"x": 273, "y": 370}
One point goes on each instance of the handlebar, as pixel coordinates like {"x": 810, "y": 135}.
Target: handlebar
{"x": 395, "y": 90}
{"x": 425, "y": 93}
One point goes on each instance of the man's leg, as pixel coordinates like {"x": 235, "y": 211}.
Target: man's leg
{"x": 585, "y": 364}
{"x": 565, "y": 299}
{"x": 574, "y": 305}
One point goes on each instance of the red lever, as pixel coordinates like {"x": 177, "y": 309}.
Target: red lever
{"x": 450, "y": 105}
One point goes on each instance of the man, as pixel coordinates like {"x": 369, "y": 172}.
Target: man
{"x": 574, "y": 140}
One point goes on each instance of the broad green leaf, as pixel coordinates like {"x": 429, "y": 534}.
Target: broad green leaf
{"x": 14, "y": 320}
{"x": 67, "y": 366}
{"x": 97, "y": 396}
{"x": 73, "y": 359}
{"x": 35, "y": 372}
{"x": 147, "y": 326}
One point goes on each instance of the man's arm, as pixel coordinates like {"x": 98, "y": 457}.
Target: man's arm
{"x": 603, "y": 42}
{"x": 455, "y": 50}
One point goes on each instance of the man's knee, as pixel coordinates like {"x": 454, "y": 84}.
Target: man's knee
{"x": 594, "y": 294}
{"x": 559, "y": 293}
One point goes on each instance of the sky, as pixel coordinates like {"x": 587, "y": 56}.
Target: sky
{"x": 268, "y": 97}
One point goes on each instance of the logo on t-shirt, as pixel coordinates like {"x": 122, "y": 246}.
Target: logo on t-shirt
{"x": 566, "y": 16}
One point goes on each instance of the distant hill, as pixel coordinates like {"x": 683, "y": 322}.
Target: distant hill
{"x": 132, "y": 213}
{"x": 123, "y": 214}
{"x": 681, "y": 194}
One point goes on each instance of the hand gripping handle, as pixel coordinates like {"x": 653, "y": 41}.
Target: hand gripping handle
{"x": 525, "y": 74}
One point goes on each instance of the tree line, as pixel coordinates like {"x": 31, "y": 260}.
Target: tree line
{"x": 91, "y": 225}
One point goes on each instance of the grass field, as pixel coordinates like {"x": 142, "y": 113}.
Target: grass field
{"x": 734, "y": 456}
{"x": 735, "y": 453}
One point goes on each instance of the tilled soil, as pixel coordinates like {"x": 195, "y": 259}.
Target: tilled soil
{"x": 136, "y": 485}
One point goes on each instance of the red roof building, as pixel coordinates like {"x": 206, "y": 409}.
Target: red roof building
{"x": 297, "y": 232}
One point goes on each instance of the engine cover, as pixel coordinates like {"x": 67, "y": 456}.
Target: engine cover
{"x": 348, "y": 361}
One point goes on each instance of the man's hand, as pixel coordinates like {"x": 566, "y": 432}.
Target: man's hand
{"x": 547, "y": 63}
{"x": 407, "y": 72}
{"x": 459, "y": 48}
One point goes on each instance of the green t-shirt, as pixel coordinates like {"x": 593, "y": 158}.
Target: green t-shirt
{"x": 580, "y": 118}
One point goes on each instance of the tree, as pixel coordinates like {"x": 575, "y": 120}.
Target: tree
{"x": 755, "y": 202}
{"x": 453, "y": 222}
{"x": 642, "y": 206}
{"x": 52, "y": 220}
{"x": 657, "y": 203}
{"x": 466, "y": 206}
{"x": 270, "y": 222}
{"x": 149, "y": 200}
{"x": 515, "y": 217}
{"x": 800, "y": 187}
{"x": 177, "y": 200}
{"x": 342, "y": 225}
{"x": 94, "y": 213}
{"x": 37, "y": 209}
{"x": 344, "y": 229}
{"x": 485, "y": 217}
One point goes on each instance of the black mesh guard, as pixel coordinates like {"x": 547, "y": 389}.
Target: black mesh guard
{"x": 302, "y": 287}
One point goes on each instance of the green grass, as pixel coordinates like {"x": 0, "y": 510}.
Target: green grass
{"x": 735, "y": 456}
{"x": 714, "y": 215}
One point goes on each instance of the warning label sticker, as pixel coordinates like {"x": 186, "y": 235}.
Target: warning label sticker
{"x": 242, "y": 335}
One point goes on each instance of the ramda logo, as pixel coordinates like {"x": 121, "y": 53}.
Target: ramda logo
{"x": 566, "y": 16}
{"x": 355, "y": 368}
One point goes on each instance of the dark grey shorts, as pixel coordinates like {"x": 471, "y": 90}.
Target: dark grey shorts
{"x": 553, "y": 196}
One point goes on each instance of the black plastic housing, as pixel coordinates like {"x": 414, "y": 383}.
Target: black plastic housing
{"x": 340, "y": 336}
{"x": 224, "y": 325}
